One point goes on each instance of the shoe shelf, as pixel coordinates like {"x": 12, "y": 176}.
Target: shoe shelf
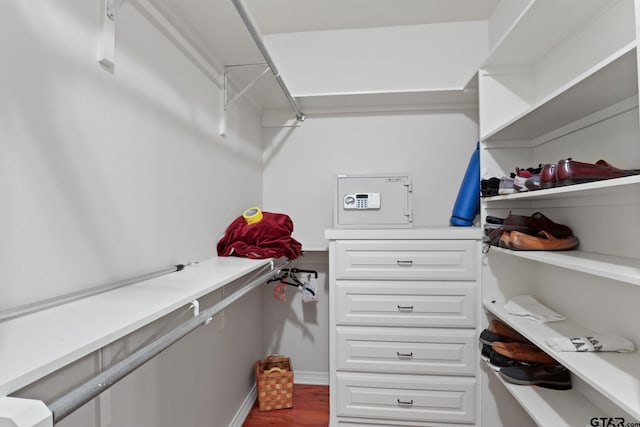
{"x": 609, "y": 82}
{"x": 623, "y": 269}
{"x": 540, "y": 27}
{"x": 607, "y": 186}
{"x": 615, "y": 375}
{"x": 558, "y": 408}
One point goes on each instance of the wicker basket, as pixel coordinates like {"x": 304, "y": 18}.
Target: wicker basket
{"x": 274, "y": 379}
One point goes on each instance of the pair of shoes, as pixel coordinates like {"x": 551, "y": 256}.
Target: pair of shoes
{"x": 520, "y": 178}
{"x": 502, "y": 330}
{"x": 498, "y": 332}
{"x": 496, "y": 361}
{"x": 534, "y": 224}
{"x": 489, "y": 187}
{"x": 506, "y": 186}
{"x": 569, "y": 171}
{"x": 523, "y": 352}
{"x": 572, "y": 172}
{"x": 548, "y": 176}
{"x": 527, "y": 179}
{"x": 544, "y": 241}
{"x": 555, "y": 377}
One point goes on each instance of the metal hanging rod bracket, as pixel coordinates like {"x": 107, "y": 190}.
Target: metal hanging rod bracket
{"x": 195, "y": 304}
{"x": 113, "y": 7}
{"x": 107, "y": 41}
{"x": 226, "y": 101}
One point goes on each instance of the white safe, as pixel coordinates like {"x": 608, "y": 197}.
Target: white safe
{"x": 373, "y": 201}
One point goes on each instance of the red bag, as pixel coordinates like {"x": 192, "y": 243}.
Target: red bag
{"x": 267, "y": 238}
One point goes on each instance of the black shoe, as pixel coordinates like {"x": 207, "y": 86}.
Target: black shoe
{"x": 555, "y": 377}
{"x": 498, "y": 361}
{"x": 487, "y": 337}
{"x": 489, "y": 187}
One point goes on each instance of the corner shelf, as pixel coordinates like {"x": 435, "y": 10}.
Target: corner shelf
{"x": 614, "y": 375}
{"x": 558, "y": 408}
{"x": 608, "y": 82}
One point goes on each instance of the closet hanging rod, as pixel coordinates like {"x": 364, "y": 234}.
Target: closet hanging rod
{"x": 68, "y": 403}
{"x": 29, "y": 308}
{"x": 263, "y": 50}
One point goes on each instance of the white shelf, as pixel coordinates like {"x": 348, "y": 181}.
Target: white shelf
{"x": 615, "y": 375}
{"x": 557, "y": 408}
{"x": 38, "y": 344}
{"x": 607, "y": 83}
{"x": 443, "y": 99}
{"x": 612, "y": 267}
{"x": 608, "y": 186}
{"x": 540, "y": 27}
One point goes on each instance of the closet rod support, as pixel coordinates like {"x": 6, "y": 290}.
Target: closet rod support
{"x": 113, "y": 7}
{"x": 242, "y": 91}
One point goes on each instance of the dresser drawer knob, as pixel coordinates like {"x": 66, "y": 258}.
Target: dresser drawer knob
{"x": 404, "y": 262}
{"x": 405, "y": 308}
{"x": 405, "y": 402}
{"x": 404, "y": 355}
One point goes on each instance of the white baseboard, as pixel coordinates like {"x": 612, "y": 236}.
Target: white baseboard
{"x": 311, "y": 377}
{"x": 245, "y": 408}
{"x": 299, "y": 377}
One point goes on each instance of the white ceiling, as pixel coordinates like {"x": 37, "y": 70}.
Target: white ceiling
{"x": 215, "y": 29}
{"x": 287, "y": 16}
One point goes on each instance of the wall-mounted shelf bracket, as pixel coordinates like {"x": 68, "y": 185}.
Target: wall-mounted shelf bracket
{"x": 106, "y": 44}
{"x": 226, "y": 101}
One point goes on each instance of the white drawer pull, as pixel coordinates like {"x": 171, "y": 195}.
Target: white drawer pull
{"x": 404, "y": 355}
{"x": 405, "y": 403}
{"x": 405, "y": 262}
{"x": 405, "y": 308}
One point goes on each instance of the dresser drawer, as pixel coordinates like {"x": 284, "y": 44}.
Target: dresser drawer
{"x": 407, "y": 350}
{"x": 406, "y": 259}
{"x": 389, "y": 303}
{"x": 406, "y": 397}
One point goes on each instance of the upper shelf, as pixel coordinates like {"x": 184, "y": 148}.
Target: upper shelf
{"x": 609, "y": 82}
{"x": 433, "y": 99}
{"x": 38, "y": 344}
{"x": 541, "y": 26}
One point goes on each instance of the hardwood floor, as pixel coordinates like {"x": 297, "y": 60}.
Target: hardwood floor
{"x": 310, "y": 409}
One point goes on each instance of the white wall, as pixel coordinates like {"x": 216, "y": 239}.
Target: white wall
{"x": 301, "y": 330}
{"x": 301, "y": 163}
{"x": 299, "y": 176}
{"x": 108, "y": 174}
{"x": 403, "y": 59}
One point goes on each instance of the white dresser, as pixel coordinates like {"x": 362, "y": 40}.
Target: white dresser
{"x": 403, "y": 339}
